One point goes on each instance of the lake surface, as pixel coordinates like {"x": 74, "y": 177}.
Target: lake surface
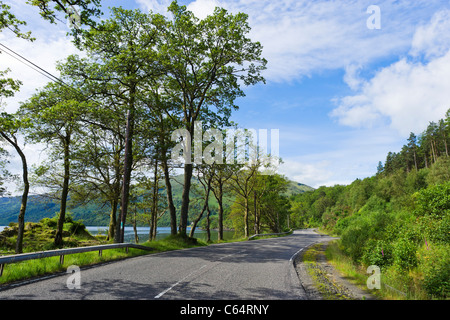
{"x": 162, "y": 232}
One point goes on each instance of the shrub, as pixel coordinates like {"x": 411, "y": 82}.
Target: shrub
{"x": 354, "y": 239}
{"x": 404, "y": 253}
{"x": 379, "y": 253}
{"x": 434, "y": 263}
{"x": 434, "y": 201}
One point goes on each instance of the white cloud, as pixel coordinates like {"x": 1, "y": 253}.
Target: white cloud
{"x": 408, "y": 93}
{"x": 51, "y": 45}
{"x": 156, "y": 6}
{"x": 433, "y": 39}
{"x": 337, "y": 157}
{"x": 203, "y": 8}
{"x": 302, "y": 37}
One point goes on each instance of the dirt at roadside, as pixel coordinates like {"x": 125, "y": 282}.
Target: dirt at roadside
{"x": 321, "y": 281}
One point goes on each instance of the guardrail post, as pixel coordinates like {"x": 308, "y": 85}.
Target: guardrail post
{"x": 61, "y": 259}
{"x": 100, "y": 253}
{"x": 1, "y": 269}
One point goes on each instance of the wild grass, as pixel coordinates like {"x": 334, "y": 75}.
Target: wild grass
{"x": 41, "y": 267}
{"x": 395, "y": 284}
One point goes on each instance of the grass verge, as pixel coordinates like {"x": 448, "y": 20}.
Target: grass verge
{"x": 323, "y": 281}
{"x": 41, "y": 267}
{"x": 395, "y": 285}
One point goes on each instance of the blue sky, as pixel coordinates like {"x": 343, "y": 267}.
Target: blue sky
{"x": 341, "y": 94}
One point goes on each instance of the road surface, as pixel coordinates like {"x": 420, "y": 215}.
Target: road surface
{"x": 251, "y": 270}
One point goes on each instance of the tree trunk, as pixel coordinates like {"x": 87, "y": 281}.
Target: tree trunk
{"x": 126, "y": 175}
{"x": 136, "y": 237}
{"x": 246, "y": 230}
{"x": 415, "y": 160}
{"x": 188, "y": 168}
{"x": 112, "y": 219}
{"x": 208, "y": 222}
{"x": 26, "y": 188}
{"x": 23, "y": 205}
{"x": 154, "y": 213}
{"x": 172, "y": 211}
{"x": 64, "y": 193}
{"x": 113, "y": 229}
{"x": 220, "y": 222}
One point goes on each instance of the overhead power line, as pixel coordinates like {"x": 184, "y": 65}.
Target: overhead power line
{"x": 32, "y": 65}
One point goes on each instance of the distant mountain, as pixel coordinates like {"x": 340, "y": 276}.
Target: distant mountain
{"x": 296, "y": 187}
{"x": 93, "y": 214}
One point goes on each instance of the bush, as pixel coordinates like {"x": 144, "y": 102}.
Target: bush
{"x": 354, "y": 240}
{"x": 49, "y": 222}
{"x": 434, "y": 201}
{"x": 379, "y": 253}
{"x": 434, "y": 263}
{"x": 404, "y": 253}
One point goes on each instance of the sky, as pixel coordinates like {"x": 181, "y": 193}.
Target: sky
{"x": 345, "y": 83}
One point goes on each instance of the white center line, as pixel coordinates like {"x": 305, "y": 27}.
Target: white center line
{"x": 177, "y": 283}
{"x": 192, "y": 273}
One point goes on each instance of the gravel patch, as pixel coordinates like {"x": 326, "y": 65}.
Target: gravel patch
{"x": 321, "y": 281}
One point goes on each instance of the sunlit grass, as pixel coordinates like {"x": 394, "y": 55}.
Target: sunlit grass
{"x": 40, "y": 267}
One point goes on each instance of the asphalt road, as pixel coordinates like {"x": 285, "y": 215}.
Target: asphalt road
{"x": 251, "y": 270}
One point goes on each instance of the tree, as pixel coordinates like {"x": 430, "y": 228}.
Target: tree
{"x": 99, "y": 161}
{"x": 221, "y": 175}
{"x": 85, "y": 10}
{"x": 121, "y": 64}
{"x": 9, "y": 127}
{"x": 3, "y": 172}
{"x": 380, "y": 167}
{"x": 274, "y": 206}
{"x": 412, "y": 146}
{"x": 204, "y": 62}
{"x": 205, "y": 178}
{"x": 9, "y": 21}
{"x": 243, "y": 185}
{"x": 55, "y": 114}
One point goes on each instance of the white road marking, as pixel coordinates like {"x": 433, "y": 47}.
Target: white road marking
{"x": 191, "y": 274}
{"x": 178, "y": 282}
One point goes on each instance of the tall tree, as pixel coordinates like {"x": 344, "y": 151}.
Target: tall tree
{"x": 9, "y": 127}
{"x": 221, "y": 175}
{"x": 3, "y": 172}
{"x": 205, "y": 62}
{"x": 55, "y": 113}
{"x": 122, "y": 64}
{"x": 412, "y": 145}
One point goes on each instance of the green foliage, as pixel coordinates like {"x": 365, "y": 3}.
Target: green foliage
{"x": 434, "y": 201}
{"x": 397, "y": 220}
{"x": 379, "y": 253}
{"x": 404, "y": 253}
{"x": 434, "y": 263}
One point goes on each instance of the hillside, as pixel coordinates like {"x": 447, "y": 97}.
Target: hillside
{"x": 95, "y": 214}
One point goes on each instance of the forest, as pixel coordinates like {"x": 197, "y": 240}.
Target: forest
{"x": 398, "y": 219}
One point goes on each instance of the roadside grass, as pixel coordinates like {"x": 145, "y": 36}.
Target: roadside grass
{"x": 395, "y": 284}
{"x": 41, "y": 267}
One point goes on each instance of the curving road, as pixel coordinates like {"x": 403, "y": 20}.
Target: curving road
{"x": 251, "y": 270}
